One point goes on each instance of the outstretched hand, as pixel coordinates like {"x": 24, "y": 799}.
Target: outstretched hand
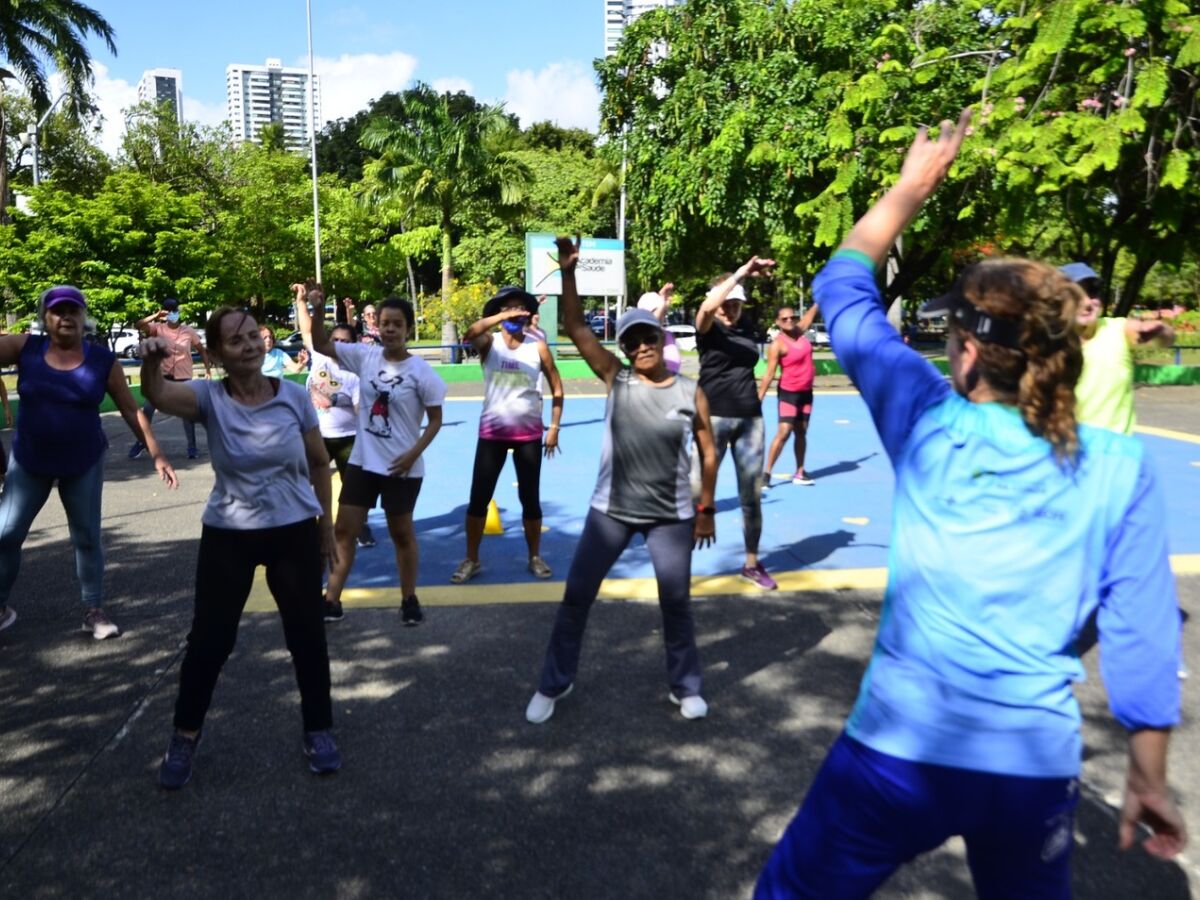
{"x": 154, "y": 349}
{"x": 568, "y": 252}
{"x": 928, "y": 161}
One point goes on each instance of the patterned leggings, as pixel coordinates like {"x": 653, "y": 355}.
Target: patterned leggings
{"x": 746, "y": 437}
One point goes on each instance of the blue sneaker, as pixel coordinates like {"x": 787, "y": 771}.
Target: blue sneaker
{"x": 137, "y": 449}
{"x": 322, "y": 752}
{"x": 176, "y": 768}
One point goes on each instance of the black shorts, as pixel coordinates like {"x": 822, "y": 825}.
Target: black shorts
{"x": 794, "y": 405}
{"x": 362, "y": 488}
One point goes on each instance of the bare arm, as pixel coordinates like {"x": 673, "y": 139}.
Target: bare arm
{"x": 318, "y": 476}
{"x": 601, "y": 361}
{"x": 769, "y": 375}
{"x": 1146, "y": 331}
{"x": 143, "y": 325}
{"x": 303, "y": 317}
{"x": 1147, "y": 799}
{"x": 809, "y": 317}
{"x": 11, "y": 346}
{"x": 8, "y": 416}
{"x": 706, "y": 314}
{"x": 550, "y": 370}
{"x": 172, "y": 397}
{"x": 706, "y": 526}
{"x": 407, "y": 460}
{"x": 199, "y": 347}
{"x": 137, "y": 421}
{"x": 310, "y": 293}
{"x": 479, "y": 335}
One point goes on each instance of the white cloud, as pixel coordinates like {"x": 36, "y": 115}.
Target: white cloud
{"x": 112, "y": 96}
{"x": 563, "y": 92}
{"x": 352, "y": 81}
{"x": 203, "y": 113}
{"x": 452, "y": 85}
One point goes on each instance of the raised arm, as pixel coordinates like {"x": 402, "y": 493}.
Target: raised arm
{"x": 1146, "y": 331}
{"x": 143, "y": 325}
{"x": 172, "y": 397}
{"x": 550, "y": 370}
{"x": 118, "y": 389}
{"x": 769, "y": 374}
{"x": 809, "y": 317}
{"x": 752, "y": 268}
{"x": 479, "y": 335}
{"x": 601, "y": 361}
{"x": 311, "y": 293}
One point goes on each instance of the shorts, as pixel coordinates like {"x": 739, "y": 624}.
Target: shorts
{"x": 794, "y": 405}
{"x": 362, "y": 488}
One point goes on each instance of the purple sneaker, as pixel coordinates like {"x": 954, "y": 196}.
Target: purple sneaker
{"x": 757, "y": 576}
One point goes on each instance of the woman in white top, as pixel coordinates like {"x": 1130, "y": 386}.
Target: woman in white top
{"x": 511, "y": 422}
{"x": 397, "y": 391}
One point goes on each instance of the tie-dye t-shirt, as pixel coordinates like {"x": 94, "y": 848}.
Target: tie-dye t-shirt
{"x": 328, "y": 380}
{"x": 512, "y": 403}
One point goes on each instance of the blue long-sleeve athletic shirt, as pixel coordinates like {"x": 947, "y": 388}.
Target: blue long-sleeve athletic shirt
{"x": 999, "y": 555}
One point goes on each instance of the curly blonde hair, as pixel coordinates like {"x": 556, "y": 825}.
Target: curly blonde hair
{"x": 1041, "y": 372}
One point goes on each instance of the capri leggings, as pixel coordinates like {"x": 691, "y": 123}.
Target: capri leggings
{"x": 489, "y": 460}
{"x": 745, "y": 435}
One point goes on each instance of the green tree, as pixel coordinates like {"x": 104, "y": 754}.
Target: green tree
{"x": 436, "y": 160}
{"x": 47, "y": 30}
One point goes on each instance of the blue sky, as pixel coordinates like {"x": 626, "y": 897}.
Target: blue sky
{"x": 534, "y": 55}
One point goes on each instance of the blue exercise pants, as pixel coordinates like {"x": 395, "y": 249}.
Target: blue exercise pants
{"x": 868, "y": 813}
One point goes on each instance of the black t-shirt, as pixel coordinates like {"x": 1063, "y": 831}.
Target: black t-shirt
{"x": 727, "y": 360}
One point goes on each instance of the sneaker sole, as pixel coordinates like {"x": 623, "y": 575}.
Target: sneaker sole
{"x": 116, "y": 632}
{"x": 547, "y": 716}
{"x": 760, "y": 586}
{"x": 679, "y": 703}
{"x": 332, "y": 618}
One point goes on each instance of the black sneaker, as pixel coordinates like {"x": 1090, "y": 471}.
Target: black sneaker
{"x": 333, "y": 611}
{"x": 410, "y": 611}
{"x": 366, "y": 539}
{"x": 322, "y": 752}
{"x": 176, "y": 768}
{"x": 137, "y": 449}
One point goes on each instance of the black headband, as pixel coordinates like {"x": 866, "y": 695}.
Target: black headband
{"x": 984, "y": 326}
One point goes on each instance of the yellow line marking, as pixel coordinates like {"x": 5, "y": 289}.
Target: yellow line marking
{"x": 1168, "y": 433}
{"x": 856, "y": 520}
{"x": 1186, "y": 563}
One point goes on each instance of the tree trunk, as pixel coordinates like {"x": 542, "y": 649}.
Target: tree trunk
{"x": 449, "y": 331}
{"x": 1133, "y": 285}
{"x": 3, "y": 160}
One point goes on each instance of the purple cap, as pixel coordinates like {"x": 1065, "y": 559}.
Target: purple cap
{"x": 63, "y": 293}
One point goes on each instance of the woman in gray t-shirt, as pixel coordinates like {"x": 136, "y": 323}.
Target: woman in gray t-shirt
{"x": 261, "y": 431}
{"x": 653, "y": 421}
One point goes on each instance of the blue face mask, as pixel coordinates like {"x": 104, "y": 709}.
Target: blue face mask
{"x": 173, "y": 317}
{"x": 513, "y": 326}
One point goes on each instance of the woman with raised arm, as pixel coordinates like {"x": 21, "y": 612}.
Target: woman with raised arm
{"x": 653, "y": 424}
{"x": 792, "y": 352}
{"x": 1011, "y": 524}
{"x": 261, "y": 431}
{"x": 728, "y": 345}
{"x": 513, "y": 365}
{"x": 398, "y": 390}
{"x": 62, "y": 380}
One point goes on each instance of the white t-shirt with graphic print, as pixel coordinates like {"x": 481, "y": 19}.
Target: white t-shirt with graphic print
{"x": 393, "y": 397}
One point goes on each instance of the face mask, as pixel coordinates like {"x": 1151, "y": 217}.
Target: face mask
{"x": 172, "y": 317}
{"x": 513, "y": 326}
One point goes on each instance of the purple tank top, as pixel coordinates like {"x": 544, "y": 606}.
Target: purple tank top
{"x": 58, "y": 422}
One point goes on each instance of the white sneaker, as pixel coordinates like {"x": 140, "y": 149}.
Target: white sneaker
{"x": 541, "y": 707}
{"x": 801, "y": 478}
{"x": 692, "y": 707}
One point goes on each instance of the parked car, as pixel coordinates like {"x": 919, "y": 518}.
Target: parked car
{"x": 124, "y": 342}
{"x": 817, "y": 335}
{"x": 293, "y": 343}
{"x": 602, "y": 326}
{"x": 685, "y": 336}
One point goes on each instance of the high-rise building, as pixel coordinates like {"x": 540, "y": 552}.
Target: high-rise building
{"x": 619, "y": 13}
{"x": 259, "y": 95}
{"x": 162, "y": 86}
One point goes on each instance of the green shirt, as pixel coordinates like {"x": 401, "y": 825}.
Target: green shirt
{"x": 1104, "y": 394}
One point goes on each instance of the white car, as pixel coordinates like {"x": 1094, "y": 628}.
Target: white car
{"x": 124, "y": 342}
{"x": 817, "y": 335}
{"x": 685, "y": 336}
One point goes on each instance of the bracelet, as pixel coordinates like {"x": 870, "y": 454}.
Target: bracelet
{"x": 548, "y": 427}
{"x": 705, "y": 510}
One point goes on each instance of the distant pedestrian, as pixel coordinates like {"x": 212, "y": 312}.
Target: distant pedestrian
{"x": 270, "y": 507}
{"x": 657, "y": 303}
{"x": 728, "y": 344}
{"x": 654, "y": 423}
{"x": 367, "y": 324}
{"x": 62, "y": 380}
{"x": 177, "y": 364}
{"x": 791, "y": 351}
{"x": 275, "y": 362}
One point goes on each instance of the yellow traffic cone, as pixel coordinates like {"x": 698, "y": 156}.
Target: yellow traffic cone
{"x": 493, "y": 525}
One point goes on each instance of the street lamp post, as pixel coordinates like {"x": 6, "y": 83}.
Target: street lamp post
{"x": 30, "y": 138}
{"x": 312, "y": 136}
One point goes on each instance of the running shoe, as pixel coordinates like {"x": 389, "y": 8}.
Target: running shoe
{"x": 322, "y": 753}
{"x": 333, "y": 610}
{"x": 467, "y": 569}
{"x": 176, "y": 768}
{"x": 101, "y": 627}
{"x": 410, "y": 611}
{"x": 137, "y": 449}
{"x": 801, "y": 478}
{"x": 758, "y": 576}
{"x": 193, "y": 453}
{"x": 7, "y": 617}
{"x": 366, "y": 540}
{"x": 690, "y": 707}
{"x": 538, "y": 567}
{"x": 766, "y": 483}
{"x": 541, "y": 707}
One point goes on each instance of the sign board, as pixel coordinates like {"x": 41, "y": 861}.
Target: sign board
{"x": 600, "y": 273}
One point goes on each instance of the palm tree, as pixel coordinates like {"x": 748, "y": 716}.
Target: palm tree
{"x": 437, "y": 157}
{"x": 32, "y": 33}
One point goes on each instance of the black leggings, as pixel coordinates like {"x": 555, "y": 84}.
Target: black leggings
{"x": 489, "y": 460}
{"x": 224, "y": 576}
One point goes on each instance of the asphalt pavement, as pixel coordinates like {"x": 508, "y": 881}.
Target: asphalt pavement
{"x": 446, "y": 790}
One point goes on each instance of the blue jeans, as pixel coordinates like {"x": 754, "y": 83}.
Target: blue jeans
{"x": 867, "y": 813}
{"x": 25, "y": 493}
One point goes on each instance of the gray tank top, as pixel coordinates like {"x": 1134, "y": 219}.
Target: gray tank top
{"x": 645, "y": 461}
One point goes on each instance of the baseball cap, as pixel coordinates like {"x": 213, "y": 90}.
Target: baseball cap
{"x": 63, "y": 293}
{"x": 632, "y": 317}
{"x": 738, "y": 293}
{"x": 1078, "y": 271}
{"x": 170, "y": 304}
{"x": 504, "y": 295}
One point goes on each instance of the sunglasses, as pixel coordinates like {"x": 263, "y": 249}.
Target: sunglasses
{"x": 788, "y": 318}
{"x": 633, "y": 341}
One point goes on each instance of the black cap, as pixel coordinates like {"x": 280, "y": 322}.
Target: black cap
{"x": 170, "y": 304}
{"x": 506, "y": 294}
{"x": 965, "y": 315}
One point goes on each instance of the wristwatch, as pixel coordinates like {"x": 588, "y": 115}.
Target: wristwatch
{"x": 705, "y": 510}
